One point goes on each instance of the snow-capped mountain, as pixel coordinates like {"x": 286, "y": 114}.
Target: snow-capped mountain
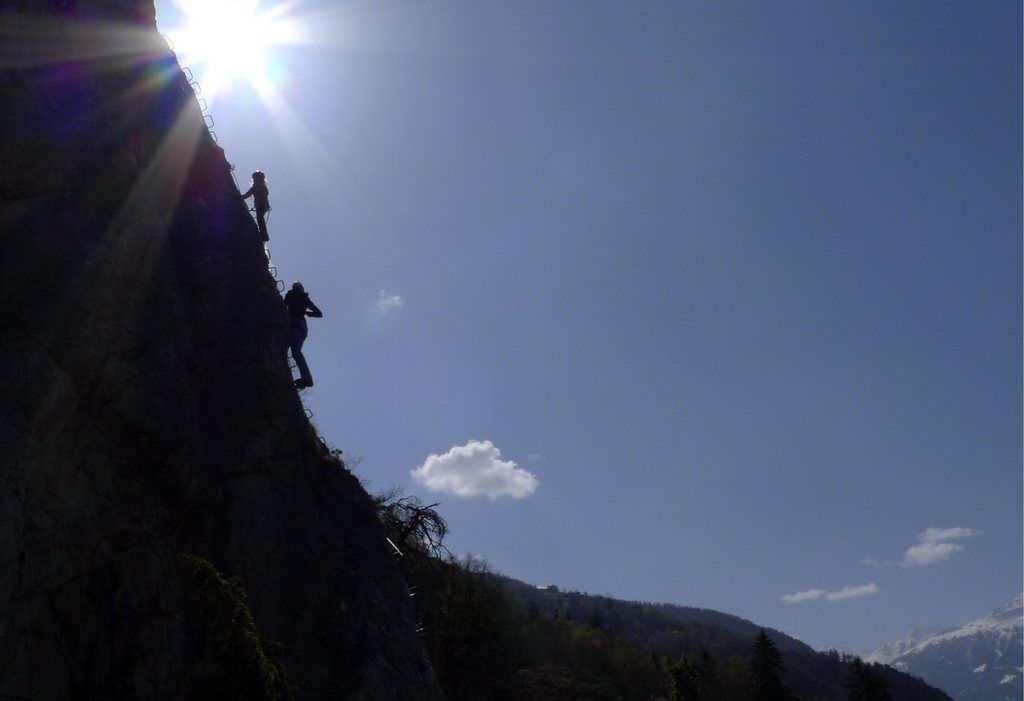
{"x": 981, "y": 661}
{"x": 905, "y": 644}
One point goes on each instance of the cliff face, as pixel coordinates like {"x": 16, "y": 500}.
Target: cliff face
{"x": 146, "y": 408}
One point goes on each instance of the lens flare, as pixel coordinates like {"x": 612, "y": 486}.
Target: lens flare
{"x": 228, "y": 41}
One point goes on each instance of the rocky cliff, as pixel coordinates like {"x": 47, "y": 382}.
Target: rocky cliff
{"x": 146, "y": 407}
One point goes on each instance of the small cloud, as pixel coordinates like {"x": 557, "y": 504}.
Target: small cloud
{"x": 852, "y": 592}
{"x": 938, "y": 535}
{"x": 801, "y": 596}
{"x": 833, "y": 596}
{"x": 934, "y": 546}
{"x": 535, "y": 457}
{"x": 475, "y": 469}
{"x": 387, "y": 301}
{"x": 929, "y": 553}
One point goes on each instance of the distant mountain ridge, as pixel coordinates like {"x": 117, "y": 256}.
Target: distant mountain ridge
{"x": 915, "y": 637}
{"x": 980, "y": 661}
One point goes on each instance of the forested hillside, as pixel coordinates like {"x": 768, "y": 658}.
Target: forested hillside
{"x": 493, "y": 637}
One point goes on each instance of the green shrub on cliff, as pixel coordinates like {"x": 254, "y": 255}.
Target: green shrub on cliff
{"x": 247, "y": 666}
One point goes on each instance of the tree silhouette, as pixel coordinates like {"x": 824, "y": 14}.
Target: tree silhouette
{"x": 684, "y": 683}
{"x": 710, "y": 686}
{"x": 765, "y": 667}
{"x": 866, "y": 684}
{"x": 411, "y": 524}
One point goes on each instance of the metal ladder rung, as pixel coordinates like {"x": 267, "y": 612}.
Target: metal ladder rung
{"x": 397, "y": 552}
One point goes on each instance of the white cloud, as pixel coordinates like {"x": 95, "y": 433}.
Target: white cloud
{"x": 929, "y": 553}
{"x": 934, "y": 546}
{"x": 938, "y": 535}
{"x": 475, "y": 469}
{"x": 841, "y": 595}
{"x": 852, "y": 592}
{"x": 387, "y": 301}
{"x": 535, "y": 457}
{"x": 800, "y": 596}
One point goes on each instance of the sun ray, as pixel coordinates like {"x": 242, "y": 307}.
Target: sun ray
{"x": 126, "y": 240}
{"x": 39, "y": 42}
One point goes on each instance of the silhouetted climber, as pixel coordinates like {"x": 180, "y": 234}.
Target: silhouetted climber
{"x": 261, "y": 201}
{"x": 299, "y": 307}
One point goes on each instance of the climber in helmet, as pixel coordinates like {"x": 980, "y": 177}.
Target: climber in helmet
{"x": 261, "y": 201}
{"x": 299, "y": 307}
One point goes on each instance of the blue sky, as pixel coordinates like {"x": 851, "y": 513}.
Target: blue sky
{"x": 704, "y": 303}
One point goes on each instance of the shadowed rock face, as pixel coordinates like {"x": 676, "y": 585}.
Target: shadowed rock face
{"x": 146, "y": 408}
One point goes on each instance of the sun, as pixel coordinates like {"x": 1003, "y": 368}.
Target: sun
{"x": 234, "y": 50}
{"x": 229, "y": 41}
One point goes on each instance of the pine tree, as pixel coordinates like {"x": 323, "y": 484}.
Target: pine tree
{"x": 710, "y": 686}
{"x": 765, "y": 667}
{"x": 684, "y": 683}
{"x": 865, "y": 684}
